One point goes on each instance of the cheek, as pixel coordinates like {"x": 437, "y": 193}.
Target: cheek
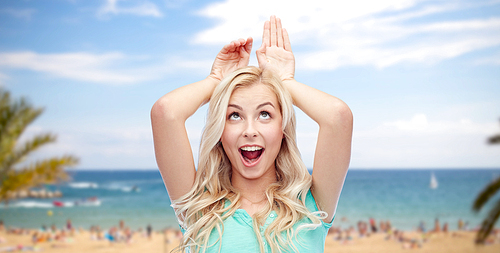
{"x": 228, "y": 138}
{"x": 275, "y": 136}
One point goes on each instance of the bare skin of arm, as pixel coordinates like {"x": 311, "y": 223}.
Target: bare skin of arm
{"x": 335, "y": 120}
{"x": 173, "y": 151}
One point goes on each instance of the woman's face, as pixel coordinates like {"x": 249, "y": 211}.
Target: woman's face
{"x": 252, "y": 134}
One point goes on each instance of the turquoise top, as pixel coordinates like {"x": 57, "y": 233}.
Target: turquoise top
{"x": 239, "y": 236}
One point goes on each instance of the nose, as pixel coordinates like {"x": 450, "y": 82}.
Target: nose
{"x": 250, "y": 130}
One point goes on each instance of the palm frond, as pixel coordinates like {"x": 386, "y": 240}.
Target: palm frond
{"x": 489, "y": 191}
{"x": 488, "y": 223}
{"x": 494, "y": 139}
{"x": 15, "y": 116}
{"x": 485, "y": 195}
{"x": 15, "y": 181}
{"x": 48, "y": 171}
{"x": 18, "y": 155}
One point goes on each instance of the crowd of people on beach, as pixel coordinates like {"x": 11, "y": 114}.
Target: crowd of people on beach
{"x": 416, "y": 240}
{"x": 61, "y": 237}
{"x": 120, "y": 233}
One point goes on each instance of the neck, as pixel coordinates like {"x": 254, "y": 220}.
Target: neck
{"x": 254, "y": 190}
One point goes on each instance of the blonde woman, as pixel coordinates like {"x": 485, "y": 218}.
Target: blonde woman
{"x": 251, "y": 192}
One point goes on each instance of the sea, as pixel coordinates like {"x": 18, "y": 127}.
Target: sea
{"x": 139, "y": 198}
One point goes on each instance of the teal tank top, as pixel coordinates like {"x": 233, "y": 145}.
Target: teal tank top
{"x": 239, "y": 236}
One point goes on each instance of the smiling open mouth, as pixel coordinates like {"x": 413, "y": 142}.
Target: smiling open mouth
{"x": 251, "y": 154}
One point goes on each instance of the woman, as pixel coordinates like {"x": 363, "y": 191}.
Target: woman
{"x": 251, "y": 191}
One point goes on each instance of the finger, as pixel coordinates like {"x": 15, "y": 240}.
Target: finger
{"x": 226, "y": 48}
{"x": 286, "y": 41}
{"x": 273, "y": 31}
{"x": 248, "y": 45}
{"x": 238, "y": 44}
{"x": 279, "y": 32}
{"x": 241, "y": 41}
{"x": 261, "y": 55}
{"x": 266, "y": 34}
{"x": 234, "y": 45}
{"x": 261, "y": 50}
{"x": 244, "y": 57}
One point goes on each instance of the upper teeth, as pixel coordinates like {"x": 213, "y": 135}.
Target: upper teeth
{"x": 253, "y": 148}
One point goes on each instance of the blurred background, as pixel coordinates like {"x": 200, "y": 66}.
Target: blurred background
{"x": 422, "y": 78}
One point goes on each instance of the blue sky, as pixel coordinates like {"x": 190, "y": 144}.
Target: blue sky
{"x": 421, "y": 77}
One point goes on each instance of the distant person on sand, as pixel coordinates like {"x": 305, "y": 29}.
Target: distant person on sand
{"x": 437, "y": 227}
{"x": 460, "y": 224}
{"x": 149, "y": 230}
{"x": 251, "y": 192}
{"x": 69, "y": 225}
{"x": 445, "y": 227}
{"x": 373, "y": 225}
{"x": 421, "y": 227}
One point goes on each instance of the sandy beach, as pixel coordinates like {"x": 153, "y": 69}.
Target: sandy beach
{"x": 80, "y": 240}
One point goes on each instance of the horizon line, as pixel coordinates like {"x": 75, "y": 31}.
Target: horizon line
{"x": 310, "y": 169}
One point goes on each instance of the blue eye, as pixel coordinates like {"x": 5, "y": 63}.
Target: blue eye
{"x": 234, "y": 116}
{"x": 265, "y": 115}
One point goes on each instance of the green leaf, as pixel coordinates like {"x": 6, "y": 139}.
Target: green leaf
{"x": 485, "y": 195}
{"x": 15, "y": 117}
{"x": 488, "y": 223}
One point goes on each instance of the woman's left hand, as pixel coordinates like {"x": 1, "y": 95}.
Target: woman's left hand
{"x": 276, "y": 51}
{"x": 232, "y": 57}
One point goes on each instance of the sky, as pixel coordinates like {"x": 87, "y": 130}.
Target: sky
{"x": 421, "y": 77}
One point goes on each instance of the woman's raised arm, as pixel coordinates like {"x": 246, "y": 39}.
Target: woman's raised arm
{"x": 333, "y": 148}
{"x": 169, "y": 114}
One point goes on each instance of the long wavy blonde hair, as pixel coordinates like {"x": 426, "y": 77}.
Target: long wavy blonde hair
{"x": 203, "y": 209}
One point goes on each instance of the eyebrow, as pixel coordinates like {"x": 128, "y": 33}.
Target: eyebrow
{"x": 264, "y": 104}
{"x": 259, "y": 106}
{"x": 235, "y": 106}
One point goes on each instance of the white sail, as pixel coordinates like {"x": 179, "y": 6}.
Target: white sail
{"x": 434, "y": 182}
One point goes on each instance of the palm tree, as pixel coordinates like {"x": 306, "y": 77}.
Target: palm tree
{"x": 15, "y": 172}
{"x": 488, "y": 192}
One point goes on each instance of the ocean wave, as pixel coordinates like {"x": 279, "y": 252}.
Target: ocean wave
{"x": 29, "y": 204}
{"x": 131, "y": 189}
{"x": 81, "y": 202}
{"x": 119, "y": 186}
{"x": 88, "y": 203}
{"x": 54, "y": 204}
{"x": 144, "y": 181}
{"x": 83, "y": 185}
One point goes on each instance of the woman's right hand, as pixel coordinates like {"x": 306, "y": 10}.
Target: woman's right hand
{"x": 232, "y": 57}
{"x": 276, "y": 51}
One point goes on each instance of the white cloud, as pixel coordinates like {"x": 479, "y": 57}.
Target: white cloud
{"x": 420, "y": 142}
{"x": 100, "y": 68}
{"x": 25, "y": 14}
{"x": 179, "y": 63}
{"x": 173, "y": 4}
{"x": 377, "y": 33}
{"x": 419, "y": 124}
{"x": 100, "y": 147}
{"x": 111, "y": 68}
{"x": 139, "y": 8}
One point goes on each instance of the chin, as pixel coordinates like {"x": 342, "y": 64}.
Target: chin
{"x": 254, "y": 172}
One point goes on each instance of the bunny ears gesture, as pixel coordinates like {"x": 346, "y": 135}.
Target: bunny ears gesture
{"x": 274, "y": 54}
